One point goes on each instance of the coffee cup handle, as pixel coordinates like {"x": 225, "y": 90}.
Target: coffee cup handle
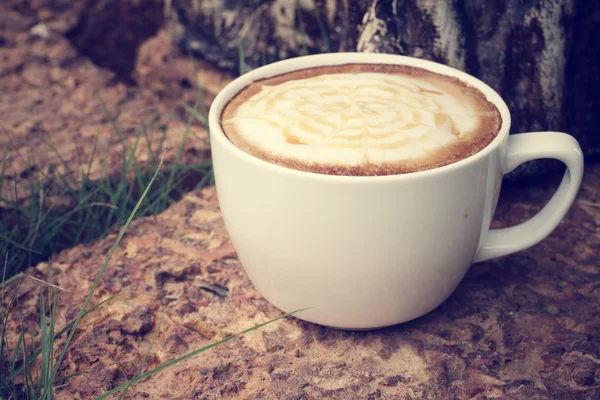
{"x": 526, "y": 147}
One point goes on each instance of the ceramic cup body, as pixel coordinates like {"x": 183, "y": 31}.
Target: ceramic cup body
{"x": 368, "y": 252}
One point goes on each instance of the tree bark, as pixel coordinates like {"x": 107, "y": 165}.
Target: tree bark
{"x": 258, "y": 32}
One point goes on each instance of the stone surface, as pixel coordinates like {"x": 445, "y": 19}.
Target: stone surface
{"x": 52, "y": 114}
{"x": 526, "y": 326}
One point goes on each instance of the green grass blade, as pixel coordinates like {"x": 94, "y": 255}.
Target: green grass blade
{"x": 100, "y": 273}
{"x": 2, "y": 173}
{"x": 16, "y": 353}
{"x": 180, "y": 151}
{"x": 70, "y": 324}
{"x": 195, "y": 114}
{"x": 12, "y": 364}
{"x": 4, "y": 325}
{"x": 4, "y": 319}
{"x": 161, "y": 146}
{"x": 43, "y": 379}
{"x": 4, "y": 268}
{"x": 82, "y": 226}
{"x": 138, "y": 171}
{"x": 48, "y": 387}
{"x": 130, "y": 162}
{"x": 17, "y": 205}
{"x": 189, "y": 355}
{"x": 64, "y": 219}
{"x": 164, "y": 195}
{"x": 29, "y": 360}
{"x": 113, "y": 123}
{"x": 115, "y": 195}
{"x": 68, "y": 188}
{"x": 39, "y": 218}
{"x": 148, "y": 140}
{"x": 66, "y": 378}
{"x": 11, "y": 241}
{"x": 27, "y": 372}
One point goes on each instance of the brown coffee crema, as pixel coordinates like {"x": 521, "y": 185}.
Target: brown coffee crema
{"x": 361, "y": 119}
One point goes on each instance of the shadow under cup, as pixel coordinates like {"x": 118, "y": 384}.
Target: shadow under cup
{"x": 364, "y": 252}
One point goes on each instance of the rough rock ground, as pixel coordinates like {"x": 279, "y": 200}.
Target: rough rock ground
{"x": 52, "y": 115}
{"x": 526, "y": 326}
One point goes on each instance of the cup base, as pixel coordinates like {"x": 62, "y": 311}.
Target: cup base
{"x": 347, "y": 327}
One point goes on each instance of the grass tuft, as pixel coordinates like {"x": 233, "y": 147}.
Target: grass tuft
{"x": 40, "y": 383}
{"x": 32, "y": 228}
{"x": 99, "y": 275}
{"x": 36, "y": 226}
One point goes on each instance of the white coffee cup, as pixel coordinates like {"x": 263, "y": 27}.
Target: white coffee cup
{"x": 371, "y": 251}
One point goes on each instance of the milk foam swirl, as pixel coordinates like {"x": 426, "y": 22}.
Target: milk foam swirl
{"x": 352, "y": 119}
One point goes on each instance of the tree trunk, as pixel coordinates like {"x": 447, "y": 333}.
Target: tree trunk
{"x": 540, "y": 56}
{"x": 257, "y": 32}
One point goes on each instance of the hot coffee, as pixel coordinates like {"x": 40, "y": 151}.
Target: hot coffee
{"x": 361, "y": 119}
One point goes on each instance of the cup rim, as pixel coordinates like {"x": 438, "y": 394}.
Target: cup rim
{"x": 304, "y": 62}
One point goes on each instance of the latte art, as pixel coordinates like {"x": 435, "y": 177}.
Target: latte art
{"x": 343, "y": 122}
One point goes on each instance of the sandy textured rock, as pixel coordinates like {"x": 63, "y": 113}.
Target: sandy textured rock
{"x": 526, "y": 326}
{"x": 51, "y": 110}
